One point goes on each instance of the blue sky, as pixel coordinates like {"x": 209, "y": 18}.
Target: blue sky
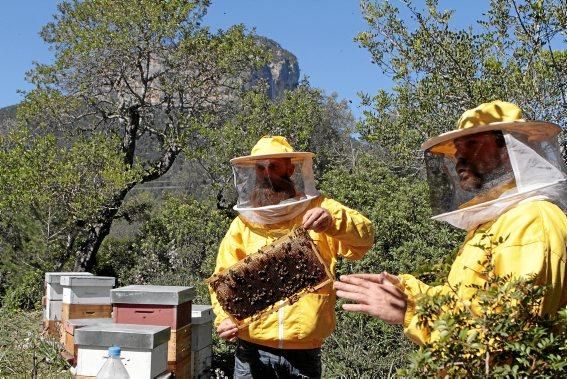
{"x": 319, "y": 32}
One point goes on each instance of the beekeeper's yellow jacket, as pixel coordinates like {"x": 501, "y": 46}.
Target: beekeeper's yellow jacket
{"x": 535, "y": 239}
{"x": 304, "y": 324}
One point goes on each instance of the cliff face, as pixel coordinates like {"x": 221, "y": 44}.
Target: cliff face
{"x": 282, "y": 73}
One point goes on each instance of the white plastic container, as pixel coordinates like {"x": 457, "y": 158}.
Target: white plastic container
{"x": 113, "y": 368}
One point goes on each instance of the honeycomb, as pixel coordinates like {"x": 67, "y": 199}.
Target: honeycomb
{"x": 283, "y": 270}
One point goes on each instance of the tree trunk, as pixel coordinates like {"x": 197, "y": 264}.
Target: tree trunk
{"x": 87, "y": 250}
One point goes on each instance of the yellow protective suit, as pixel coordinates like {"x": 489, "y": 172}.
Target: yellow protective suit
{"x": 304, "y": 324}
{"x": 535, "y": 234}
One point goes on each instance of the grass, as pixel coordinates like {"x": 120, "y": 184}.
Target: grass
{"x": 25, "y": 349}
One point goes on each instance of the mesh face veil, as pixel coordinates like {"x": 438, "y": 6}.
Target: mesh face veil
{"x": 475, "y": 177}
{"x": 273, "y": 187}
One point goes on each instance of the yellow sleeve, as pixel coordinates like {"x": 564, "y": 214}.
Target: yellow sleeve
{"x": 228, "y": 254}
{"x": 535, "y": 236}
{"x": 414, "y": 289}
{"x": 353, "y": 231}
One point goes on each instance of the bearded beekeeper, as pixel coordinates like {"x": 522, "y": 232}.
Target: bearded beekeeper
{"x": 276, "y": 193}
{"x": 501, "y": 178}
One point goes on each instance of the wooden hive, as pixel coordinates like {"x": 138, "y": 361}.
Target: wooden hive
{"x": 284, "y": 270}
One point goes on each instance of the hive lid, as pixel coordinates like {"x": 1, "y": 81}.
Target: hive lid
{"x": 153, "y": 295}
{"x": 123, "y": 335}
{"x": 87, "y": 281}
{"x": 74, "y": 323}
{"x": 55, "y": 277}
{"x": 201, "y": 314}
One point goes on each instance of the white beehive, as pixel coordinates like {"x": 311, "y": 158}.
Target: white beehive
{"x": 87, "y": 289}
{"x": 53, "y": 288}
{"x": 144, "y": 348}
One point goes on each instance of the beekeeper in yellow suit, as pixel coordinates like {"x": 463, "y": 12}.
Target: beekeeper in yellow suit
{"x": 496, "y": 176}
{"x": 276, "y": 192}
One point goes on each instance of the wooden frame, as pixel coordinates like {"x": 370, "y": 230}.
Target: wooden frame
{"x": 291, "y": 236}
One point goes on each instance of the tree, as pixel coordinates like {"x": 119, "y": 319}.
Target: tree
{"x": 439, "y": 71}
{"x": 143, "y": 74}
{"x": 48, "y": 193}
{"x": 310, "y": 120}
{"x": 406, "y": 241}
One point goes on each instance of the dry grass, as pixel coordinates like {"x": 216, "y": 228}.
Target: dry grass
{"x": 25, "y": 350}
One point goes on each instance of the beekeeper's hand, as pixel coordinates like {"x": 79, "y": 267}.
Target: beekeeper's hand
{"x": 317, "y": 219}
{"x": 227, "y": 330}
{"x": 377, "y": 295}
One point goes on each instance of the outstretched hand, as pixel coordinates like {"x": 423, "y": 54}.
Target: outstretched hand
{"x": 317, "y": 219}
{"x": 374, "y": 294}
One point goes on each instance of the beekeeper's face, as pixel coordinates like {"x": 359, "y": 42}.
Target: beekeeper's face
{"x": 478, "y": 155}
{"x": 273, "y": 181}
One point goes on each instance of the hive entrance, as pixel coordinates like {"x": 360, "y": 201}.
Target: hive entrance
{"x": 283, "y": 270}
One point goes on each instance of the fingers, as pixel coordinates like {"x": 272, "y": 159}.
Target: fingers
{"x": 361, "y": 308}
{"x": 227, "y": 330}
{"x": 317, "y": 219}
{"x": 375, "y": 278}
{"x": 358, "y": 281}
{"x": 310, "y": 218}
{"x": 352, "y": 296}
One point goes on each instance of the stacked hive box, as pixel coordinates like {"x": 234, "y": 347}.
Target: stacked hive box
{"x": 53, "y": 299}
{"x": 164, "y": 306}
{"x": 144, "y": 349}
{"x": 70, "y": 326}
{"x": 86, "y": 297}
{"x": 201, "y": 340}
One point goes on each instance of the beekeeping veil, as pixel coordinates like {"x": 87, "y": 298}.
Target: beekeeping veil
{"x": 274, "y": 183}
{"x": 493, "y": 161}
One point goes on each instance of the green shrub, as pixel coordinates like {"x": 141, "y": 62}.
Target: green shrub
{"x": 25, "y": 351}
{"x": 498, "y": 333}
{"x": 26, "y": 293}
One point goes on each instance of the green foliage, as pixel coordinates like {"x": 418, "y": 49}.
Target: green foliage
{"x": 363, "y": 347}
{"x": 25, "y": 351}
{"x": 497, "y": 333}
{"x": 144, "y": 75}
{"x": 406, "y": 241}
{"x": 50, "y": 192}
{"x": 26, "y": 292}
{"x": 176, "y": 246}
{"x": 440, "y": 70}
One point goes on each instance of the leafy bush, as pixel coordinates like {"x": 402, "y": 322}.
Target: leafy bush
{"x": 498, "y": 333}
{"x": 176, "y": 246}
{"x": 25, "y": 352}
{"x": 25, "y": 294}
{"x": 406, "y": 241}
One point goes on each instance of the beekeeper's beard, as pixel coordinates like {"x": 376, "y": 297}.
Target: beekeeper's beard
{"x": 272, "y": 191}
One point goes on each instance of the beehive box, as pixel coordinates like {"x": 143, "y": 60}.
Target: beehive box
{"x": 202, "y": 326}
{"x": 144, "y": 348}
{"x": 87, "y": 289}
{"x": 201, "y": 339}
{"x": 276, "y": 275}
{"x": 53, "y": 287}
{"x": 153, "y": 305}
{"x": 53, "y": 300}
{"x": 70, "y": 326}
{"x": 160, "y": 305}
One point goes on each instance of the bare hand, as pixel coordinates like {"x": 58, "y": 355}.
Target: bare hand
{"x": 374, "y": 294}
{"x": 227, "y": 330}
{"x": 317, "y": 219}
